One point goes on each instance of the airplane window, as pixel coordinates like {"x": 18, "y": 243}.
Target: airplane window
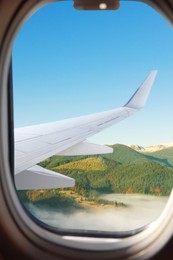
{"x": 76, "y": 75}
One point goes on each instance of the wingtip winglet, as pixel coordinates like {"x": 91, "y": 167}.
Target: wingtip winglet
{"x": 138, "y": 100}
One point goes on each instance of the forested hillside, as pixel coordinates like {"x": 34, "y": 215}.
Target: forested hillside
{"x": 147, "y": 177}
{"x": 164, "y": 154}
{"x": 123, "y": 171}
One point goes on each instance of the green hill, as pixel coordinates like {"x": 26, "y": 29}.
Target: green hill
{"x": 121, "y": 154}
{"x": 147, "y": 177}
{"x": 57, "y": 160}
{"x": 87, "y": 164}
{"x": 164, "y": 154}
{"x": 123, "y": 171}
{"x": 124, "y": 154}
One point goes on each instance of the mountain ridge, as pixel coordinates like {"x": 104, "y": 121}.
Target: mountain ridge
{"x": 151, "y": 148}
{"x": 121, "y": 154}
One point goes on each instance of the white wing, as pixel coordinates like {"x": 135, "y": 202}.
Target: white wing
{"x": 67, "y": 137}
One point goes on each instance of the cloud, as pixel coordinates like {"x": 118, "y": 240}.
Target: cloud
{"x": 141, "y": 211}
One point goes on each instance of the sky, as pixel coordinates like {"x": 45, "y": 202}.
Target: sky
{"x": 68, "y": 63}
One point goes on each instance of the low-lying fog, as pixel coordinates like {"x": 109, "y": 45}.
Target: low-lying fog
{"x": 140, "y": 210}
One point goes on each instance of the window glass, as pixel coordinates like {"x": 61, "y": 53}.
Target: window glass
{"x": 67, "y": 64}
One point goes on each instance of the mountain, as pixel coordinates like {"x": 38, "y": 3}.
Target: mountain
{"x": 137, "y": 147}
{"x": 158, "y": 147}
{"x": 121, "y": 154}
{"x": 124, "y": 154}
{"x": 124, "y": 171}
{"x": 151, "y": 148}
{"x": 105, "y": 175}
{"x": 160, "y": 152}
{"x": 164, "y": 154}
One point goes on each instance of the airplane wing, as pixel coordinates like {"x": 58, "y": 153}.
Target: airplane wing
{"x": 67, "y": 137}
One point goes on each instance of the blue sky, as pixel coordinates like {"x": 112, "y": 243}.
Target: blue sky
{"x": 68, "y": 63}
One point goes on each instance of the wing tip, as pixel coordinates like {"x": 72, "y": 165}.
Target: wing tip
{"x": 153, "y": 73}
{"x": 139, "y": 98}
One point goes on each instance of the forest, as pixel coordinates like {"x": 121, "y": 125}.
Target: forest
{"x": 124, "y": 171}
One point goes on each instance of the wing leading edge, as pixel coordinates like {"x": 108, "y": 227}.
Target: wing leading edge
{"x": 67, "y": 137}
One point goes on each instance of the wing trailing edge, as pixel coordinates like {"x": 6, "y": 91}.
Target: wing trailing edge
{"x": 86, "y": 148}
{"x": 37, "y": 177}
